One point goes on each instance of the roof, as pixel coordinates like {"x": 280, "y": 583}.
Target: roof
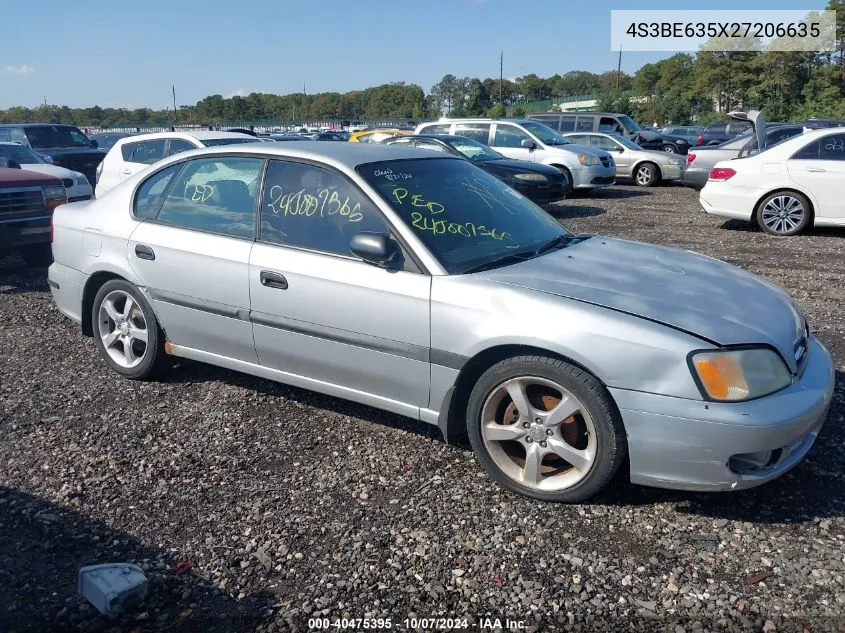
{"x": 349, "y": 155}
{"x": 10, "y": 177}
{"x": 5, "y": 125}
{"x": 190, "y": 134}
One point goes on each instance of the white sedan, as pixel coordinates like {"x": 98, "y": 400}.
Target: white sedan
{"x": 76, "y": 184}
{"x": 135, "y": 153}
{"x": 789, "y": 186}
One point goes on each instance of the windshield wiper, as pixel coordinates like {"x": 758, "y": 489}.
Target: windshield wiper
{"x": 510, "y": 258}
{"x": 558, "y": 241}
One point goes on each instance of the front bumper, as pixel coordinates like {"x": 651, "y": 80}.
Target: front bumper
{"x": 696, "y": 445}
{"x": 671, "y": 172}
{"x": 593, "y": 177}
{"x": 695, "y": 178}
{"x": 67, "y": 285}
{"x": 25, "y": 231}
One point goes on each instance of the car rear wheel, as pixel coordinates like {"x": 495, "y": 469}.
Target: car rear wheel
{"x": 545, "y": 429}
{"x": 669, "y": 149}
{"x": 783, "y": 213}
{"x": 126, "y": 331}
{"x": 38, "y": 255}
{"x": 647, "y": 175}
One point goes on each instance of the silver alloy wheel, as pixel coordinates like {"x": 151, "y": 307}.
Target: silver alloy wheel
{"x": 669, "y": 149}
{"x": 783, "y": 214}
{"x": 643, "y": 175}
{"x": 538, "y": 433}
{"x": 122, "y": 329}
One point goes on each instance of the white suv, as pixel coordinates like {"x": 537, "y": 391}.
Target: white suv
{"x": 584, "y": 169}
{"x": 135, "y": 153}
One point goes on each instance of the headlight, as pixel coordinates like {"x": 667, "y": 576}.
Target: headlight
{"x": 740, "y": 374}
{"x": 56, "y": 192}
{"x": 82, "y": 181}
{"x": 531, "y": 177}
{"x": 588, "y": 160}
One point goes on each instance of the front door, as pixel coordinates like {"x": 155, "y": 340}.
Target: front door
{"x": 192, "y": 253}
{"x": 323, "y": 314}
{"x": 820, "y": 167}
{"x": 507, "y": 140}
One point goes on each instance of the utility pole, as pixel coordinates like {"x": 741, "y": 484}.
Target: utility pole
{"x": 619, "y": 68}
{"x": 501, "y": 77}
{"x": 175, "y": 112}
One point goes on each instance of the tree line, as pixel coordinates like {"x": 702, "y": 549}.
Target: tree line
{"x": 682, "y": 88}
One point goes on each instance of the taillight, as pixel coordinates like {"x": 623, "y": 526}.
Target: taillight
{"x": 690, "y": 158}
{"x": 700, "y": 140}
{"x": 721, "y": 174}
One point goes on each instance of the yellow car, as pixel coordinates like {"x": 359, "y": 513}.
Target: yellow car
{"x": 377, "y": 135}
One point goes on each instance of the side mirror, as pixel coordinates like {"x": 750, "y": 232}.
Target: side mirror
{"x": 9, "y": 163}
{"x": 528, "y": 144}
{"x": 619, "y": 149}
{"x": 94, "y": 144}
{"x": 374, "y": 248}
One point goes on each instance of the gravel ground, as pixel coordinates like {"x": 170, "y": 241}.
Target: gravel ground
{"x": 283, "y": 504}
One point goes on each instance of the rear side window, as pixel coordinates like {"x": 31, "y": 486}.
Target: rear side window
{"x": 832, "y": 147}
{"x": 216, "y": 195}
{"x": 5, "y": 135}
{"x": 151, "y": 192}
{"x": 148, "y": 152}
{"x": 179, "y": 145}
{"x": 476, "y": 131}
{"x": 567, "y": 124}
{"x": 585, "y": 124}
{"x": 552, "y": 122}
{"x": 437, "y": 129}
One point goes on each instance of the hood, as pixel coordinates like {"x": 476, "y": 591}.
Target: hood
{"x": 68, "y": 151}
{"x": 518, "y": 166}
{"x": 52, "y": 170}
{"x": 25, "y": 178}
{"x": 694, "y": 293}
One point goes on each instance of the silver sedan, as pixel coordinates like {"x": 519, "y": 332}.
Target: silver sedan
{"x": 646, "y": 167}
{"x": 417, "y": 283}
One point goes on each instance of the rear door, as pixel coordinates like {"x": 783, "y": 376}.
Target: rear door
{"x": 192, "y": 252}
{"x": 139, "y": 155}
{"x": 820, "y": 167}
{"x": 477, "y": 131}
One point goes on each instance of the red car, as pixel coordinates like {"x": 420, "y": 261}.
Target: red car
{"x": 27, "y": 200}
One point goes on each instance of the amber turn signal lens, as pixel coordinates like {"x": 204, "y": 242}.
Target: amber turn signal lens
{"x": 722, "y": 377}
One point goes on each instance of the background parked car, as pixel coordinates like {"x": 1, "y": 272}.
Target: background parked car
{"x": 136, "y": 153}
{"x": 522, "y": 139}
{"x": 689, "y": 133}
{"x": 63, "y": 145}
{"x": 717, "y": 133}
{"x": 613, "y": 123}
{"x": 701, "y": 160}
{"x": 646, "y": 167}
{"x": 27, "y": 201}
{"x": 377, "y": 135}
{"x": 76, "y": 184}
{"x": 537, "y": 182}
{"x": 106, "y": 140}
{"x": 785, "y": 188}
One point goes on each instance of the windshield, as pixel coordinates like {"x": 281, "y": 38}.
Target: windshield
{"x": 20, "y": 154}
{"x": 546, "y": 134}
{"x": 464, "y": 216}
{"x": 629, "y": 123}
{"x": 475, "y": 151}
{"x": 622, "y": 140}
{"x": 47, "y": 136}
{"x": 214, "y": 142}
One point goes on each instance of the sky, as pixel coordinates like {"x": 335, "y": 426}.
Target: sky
{"x": 129, "y": 54}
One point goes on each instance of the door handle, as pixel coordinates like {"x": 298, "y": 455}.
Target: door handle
{"x": 144, "y": 252}
{"x": 273, "y": 280}
{"x": 817, "y": 170}
{"x": 125, "y": 170}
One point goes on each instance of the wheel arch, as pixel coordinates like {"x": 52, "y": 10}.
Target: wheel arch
{"x": 94, "y": 283}
{"x": 452, "y": 418}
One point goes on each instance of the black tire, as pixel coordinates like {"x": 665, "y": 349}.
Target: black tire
{"x": 37, "y": 255}
{"x": 784, "y": 229}
{"x": 567, "y": 175}
{"x": 669, "y": 148}
{"x": 611, "y": 446}
{"x": 155, "y": 360}
{"x": 647, "y": 175}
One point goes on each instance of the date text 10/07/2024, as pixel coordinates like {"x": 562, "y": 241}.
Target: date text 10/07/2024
{"x": 483, "y": 623}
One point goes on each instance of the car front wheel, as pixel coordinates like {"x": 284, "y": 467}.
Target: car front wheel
{"x": 647, "y": 175}
{"x": 126, "y": 331}
{"x": 545, "y": 429}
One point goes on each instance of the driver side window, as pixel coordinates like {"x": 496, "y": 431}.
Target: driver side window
{"x": 509, "y": 136}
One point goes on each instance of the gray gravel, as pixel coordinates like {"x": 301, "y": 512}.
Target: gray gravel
{"x": 287, "y": 505}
